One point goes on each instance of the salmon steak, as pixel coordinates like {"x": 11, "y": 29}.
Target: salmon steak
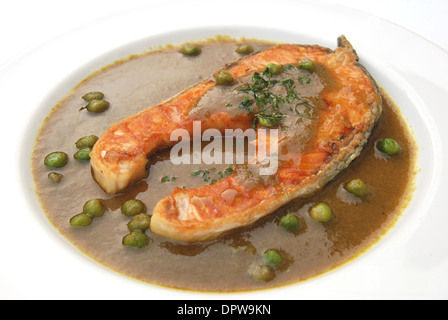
{"x": 315, "y": 107}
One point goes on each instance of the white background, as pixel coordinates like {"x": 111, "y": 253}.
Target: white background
{"x": 27, "y": 23}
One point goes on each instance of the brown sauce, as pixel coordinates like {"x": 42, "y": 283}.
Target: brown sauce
{"x": 141, "y": 81}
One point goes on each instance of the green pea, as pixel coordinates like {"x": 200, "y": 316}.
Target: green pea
{"x": 389, "y": 146}
{"x": 56, "y": 159}
{"x": 93, "y": 208}
{"x": 274, "y": 68}
{"x": 83, "y": 154}
{"x": 260, "y": 272}
{"x": 81, "y": 220}
{"x": 140, "y": 222}
{"x": 94, "y": 95}
{"x": 132, "y": 207}
{"x": 305, "y": 64}
{"x": 55, "y": 177}
{"x": 321, "y": 212}
{"x": 224, "y": 78}
{"x": 87, "y": 141}
{"x": 265, "y": 122}
{"x": 357, "y": 187}
{"x": 289, "y": 222}
{"x": 191, "y": 50}
{"x": 97, "y": 106}
{"x": 245, "y": 49}
{"x": 135, "y": 239}
{"x": 272, "y": 258}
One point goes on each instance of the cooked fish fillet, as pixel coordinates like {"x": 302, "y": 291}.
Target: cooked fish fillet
{"x": 340, "y": 131}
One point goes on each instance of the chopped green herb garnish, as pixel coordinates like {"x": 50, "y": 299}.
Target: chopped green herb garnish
{"x": 204, "y": 173}
{"x": 270, "y": 119}
{"x": 167, "y": 179}
{"x": 221, "y": 175}
{"x": 304, "y": 80}
{"x": 269, "y": 103}
{"x": 245, "y": 104}
{"x": 229, "y": 171}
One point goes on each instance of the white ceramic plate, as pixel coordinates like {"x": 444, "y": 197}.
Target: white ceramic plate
{"x": 411, "y": 261}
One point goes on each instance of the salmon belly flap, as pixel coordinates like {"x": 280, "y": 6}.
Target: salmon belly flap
{"x": 311, "y": 115}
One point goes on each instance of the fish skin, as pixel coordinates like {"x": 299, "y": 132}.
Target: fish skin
{"x": 119, "y": 157}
